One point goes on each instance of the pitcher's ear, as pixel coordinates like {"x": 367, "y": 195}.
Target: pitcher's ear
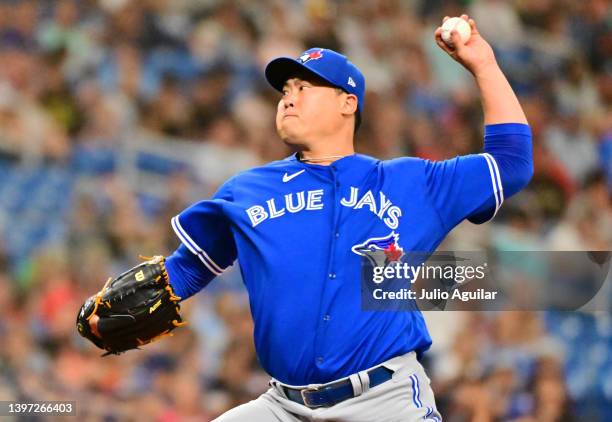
{"x": 349, "y": 106}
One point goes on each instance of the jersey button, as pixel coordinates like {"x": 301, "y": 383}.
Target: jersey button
{"x": 326, "y": 318}
{"x": 337, "y": 234}
{"x": 320, "y": 359}
{"x": 332, "y": 275}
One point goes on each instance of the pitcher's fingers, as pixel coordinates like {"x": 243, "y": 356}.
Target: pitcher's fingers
{"x": 441, "y": 43}
{"x": 456, "y": 40}
{"x": 473, "y": 26}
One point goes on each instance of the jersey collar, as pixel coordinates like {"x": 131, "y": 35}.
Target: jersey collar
{"x": 354, "y": 162}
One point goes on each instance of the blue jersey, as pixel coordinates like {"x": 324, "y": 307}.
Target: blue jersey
{"x": 295, "y": 228}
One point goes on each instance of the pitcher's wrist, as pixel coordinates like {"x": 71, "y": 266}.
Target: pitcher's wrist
{"x": 486, "y": 71}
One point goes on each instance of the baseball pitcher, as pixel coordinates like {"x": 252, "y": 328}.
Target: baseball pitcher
{"x": 297, "y": 225}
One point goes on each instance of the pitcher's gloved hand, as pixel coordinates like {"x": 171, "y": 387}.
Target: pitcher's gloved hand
{"x": 136, "y": 308}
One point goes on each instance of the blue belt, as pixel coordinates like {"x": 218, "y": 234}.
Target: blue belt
{"x": 329, "y": 394}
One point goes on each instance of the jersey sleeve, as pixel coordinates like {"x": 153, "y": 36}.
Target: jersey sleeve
{"x": 468, "y": 186}
{"x": 475, "y": 186}
{"x": 205, "y": 229}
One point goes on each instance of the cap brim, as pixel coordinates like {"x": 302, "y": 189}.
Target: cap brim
{"x": 279, "y": 70}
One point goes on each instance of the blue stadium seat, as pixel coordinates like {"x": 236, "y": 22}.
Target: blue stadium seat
{"x": 35, "y": 202}
{"x": 94, "y": 161}
{"x": 157, "y": 163}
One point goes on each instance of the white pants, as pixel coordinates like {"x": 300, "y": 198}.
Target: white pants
{"x": 407, "y": 396}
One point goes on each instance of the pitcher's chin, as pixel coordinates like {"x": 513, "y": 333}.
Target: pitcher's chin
{"x": 290, "y": 139}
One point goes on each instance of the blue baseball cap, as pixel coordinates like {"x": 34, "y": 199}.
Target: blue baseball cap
{"x": 327, "y": 64}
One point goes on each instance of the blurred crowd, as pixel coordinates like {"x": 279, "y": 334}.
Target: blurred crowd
{"x": 88, "y": 78}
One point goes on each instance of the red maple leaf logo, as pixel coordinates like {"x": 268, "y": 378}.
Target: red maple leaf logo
{"x": 393, "y": 253}
{"x": 315, "y": 55}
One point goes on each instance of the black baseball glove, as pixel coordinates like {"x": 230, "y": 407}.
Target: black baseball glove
{"x": 134, "y": 309}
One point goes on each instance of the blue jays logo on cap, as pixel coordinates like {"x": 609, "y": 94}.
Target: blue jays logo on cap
{"x": 380, "y": 250}
{"x": 310, "y": 56}
{"x": 327, "y": 64}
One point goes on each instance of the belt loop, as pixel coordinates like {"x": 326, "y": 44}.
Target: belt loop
{"x": 278, "y": 387}
{"x": 356, "y": 383}
{"x": 364, "y": 379}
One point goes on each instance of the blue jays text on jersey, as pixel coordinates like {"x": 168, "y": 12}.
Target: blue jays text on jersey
{"x": 299, "y": 231}
{"x": 312, "y": 200}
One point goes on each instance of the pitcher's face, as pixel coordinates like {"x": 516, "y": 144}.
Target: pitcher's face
{"x": 308, "y": 109}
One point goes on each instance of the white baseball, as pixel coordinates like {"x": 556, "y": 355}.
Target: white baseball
{"x": 464, "y": 29}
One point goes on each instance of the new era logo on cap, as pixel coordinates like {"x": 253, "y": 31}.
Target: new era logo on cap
{"x": 327, "y": 64}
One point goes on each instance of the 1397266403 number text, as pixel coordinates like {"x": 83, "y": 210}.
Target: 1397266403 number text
{"x": 50, "y": 408}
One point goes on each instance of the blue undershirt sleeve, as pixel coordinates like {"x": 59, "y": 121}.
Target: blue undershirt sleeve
{"x": 510, "y": 145}
{"x": 186, "y": 273}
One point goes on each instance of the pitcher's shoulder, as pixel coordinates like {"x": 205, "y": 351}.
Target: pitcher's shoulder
{"x": 267, "y": 169}
{"x": 405, "y": 164}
